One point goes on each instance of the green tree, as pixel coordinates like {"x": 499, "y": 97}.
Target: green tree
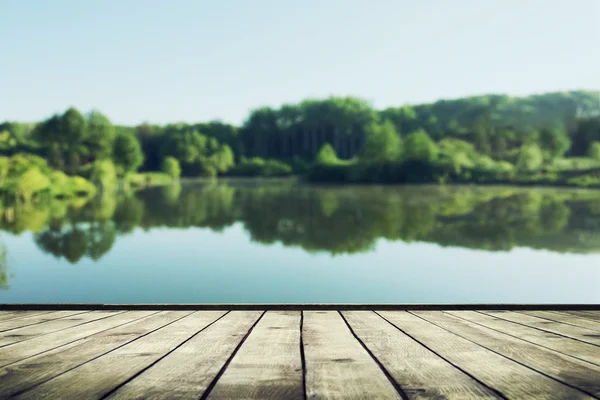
{"x": 103, "y": 173}
{"x": 594, "y": 151}
{"x": 530, "y": 158}
{"x": 382, "y": 142}
{"x": 223, "y": 159}
{"x": 30, "y": 183}
{"x": 326, "y": 155}
{"x": 554, "y": 143}
{"x": 418, "y": 146}
{"x": 73, "y": 131}
{"x": 170, "y": 166}
{"x": 100, "y": 135}
{"x": 127, "y": 153}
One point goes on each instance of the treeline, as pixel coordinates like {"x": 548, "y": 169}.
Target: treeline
{"x": 338, "y": 139}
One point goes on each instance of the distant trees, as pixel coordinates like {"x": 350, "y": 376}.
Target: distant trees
{"x": 70, "y": 140}
{"x": 530, "y": 158}
{"x": 127, "y": 153}
{"x": 594, "y": 151}
{"x": 170, "y": 166}
{"x": 382, "y": 142}
{"x": 418, "y": 146}
{"x": 100, "y": 136}
{"x": 337, "y": 130}
{"x": 326, "y": 155}
{"x": 554, "y": 142}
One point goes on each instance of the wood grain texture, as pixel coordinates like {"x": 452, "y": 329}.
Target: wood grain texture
{"x": 24, "y": 375}
{"x": 29, "y": 332}
{"x": 575, "y": 332}
{"x": 420, "y": 372}
{"x": 566, "y": 319}
{"x": 101, "y": 375}
{"x": 187, "y": 354}
{"x": 11, "y": 324}
{"x": 593, "y": 315}
{"x": 29, "y": 348}
{"x": 511, "y": 379}
{"x": 565, "y": 345}
{"x": 337, "y": 366}
{"x": 6, "y": 315}
{"x": 268, "y": 365}
{"x": 188, "y": 371}
{"x": 578, "y": 374}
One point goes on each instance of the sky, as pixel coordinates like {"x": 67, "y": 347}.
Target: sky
{"x": 198, "y": 60}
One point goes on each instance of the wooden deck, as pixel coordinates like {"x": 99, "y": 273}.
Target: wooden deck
{"x": 299, "y": 354}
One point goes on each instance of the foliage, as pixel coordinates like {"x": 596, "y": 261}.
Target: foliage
{"x": 170, "y": 166}
{"x": 554, "y": 143}
{"x": 103, "y": 173}
{"x": 382, "y": 143}
{"x": 127, "y": 154}
{"x": 327, "y": 155}
{"x": 100, "y": 136}
{"x": 461, "y": 139}
{"x": 594, "y": 151}
{"x": 530, "y": 158}
{"x": 30, "y": 183}
{"x": 257, "y": 166}
{"x": 418, "y": 146}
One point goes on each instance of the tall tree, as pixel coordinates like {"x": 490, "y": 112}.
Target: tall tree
{"x": 100, "y": 135}
{"x": 594, "y": 151}
{"x": 382, "y": 142}
{"x": 127, "y": 153}
{"x": 73, "y": 129}
{"x": 554, "y": 142}
{"x": 418, "y": 146}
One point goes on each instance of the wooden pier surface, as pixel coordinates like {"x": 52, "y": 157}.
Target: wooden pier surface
{"x": 299, "y": 354}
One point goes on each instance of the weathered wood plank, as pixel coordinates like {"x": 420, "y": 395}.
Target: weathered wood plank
{"x": 575, "y": 332}
{"x": 593, "y": 315}
{"x": 578, "y": 374}
{"x": 188, "y": 371}
{"x": 268, "y": 365}
{"x": 29, "y": 332}
{"x": 337, "y": 366}
{"x": 567, "y": 346}
{"x": 32, "y": 347}
{"x": 566, "y": 319}
{"x": 7, "y": 315}
{"x": 99, "y": 376}
{"x": 511, "y": 379}
{"x": 421, "y": 373}
{"x": 24, "y": 375}
{"x": 35, "y": 319}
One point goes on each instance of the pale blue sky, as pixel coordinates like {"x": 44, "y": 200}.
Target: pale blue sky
{"x": 195, "y": 60}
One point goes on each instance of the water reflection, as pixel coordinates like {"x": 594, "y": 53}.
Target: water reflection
{"x": 337, "y": 220}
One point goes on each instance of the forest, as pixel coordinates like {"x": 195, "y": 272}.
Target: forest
{"x": 547, "y": 139}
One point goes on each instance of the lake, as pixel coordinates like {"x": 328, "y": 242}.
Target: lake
{"x": 285, "y": 242}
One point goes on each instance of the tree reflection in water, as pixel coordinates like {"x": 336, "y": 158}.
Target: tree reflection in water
{"x": 337, "y": 220}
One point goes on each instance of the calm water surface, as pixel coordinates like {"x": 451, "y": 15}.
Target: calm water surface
{"x": 279, "y": 242}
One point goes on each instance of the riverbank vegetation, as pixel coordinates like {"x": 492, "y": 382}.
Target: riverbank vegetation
{"x": 549, "y": 139}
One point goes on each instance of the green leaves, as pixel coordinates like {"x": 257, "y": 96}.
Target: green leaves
{"x": 530, "y": 158}
{"x": 326, "y": 155}
{"x": 594, "y": 151}
{"x": 418, "y": 146}
{"x": 382, "y": 143}
{"x": 554, "y": 142}
{"x": 170, "y": 166}
{"x": 127, "y": 153}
